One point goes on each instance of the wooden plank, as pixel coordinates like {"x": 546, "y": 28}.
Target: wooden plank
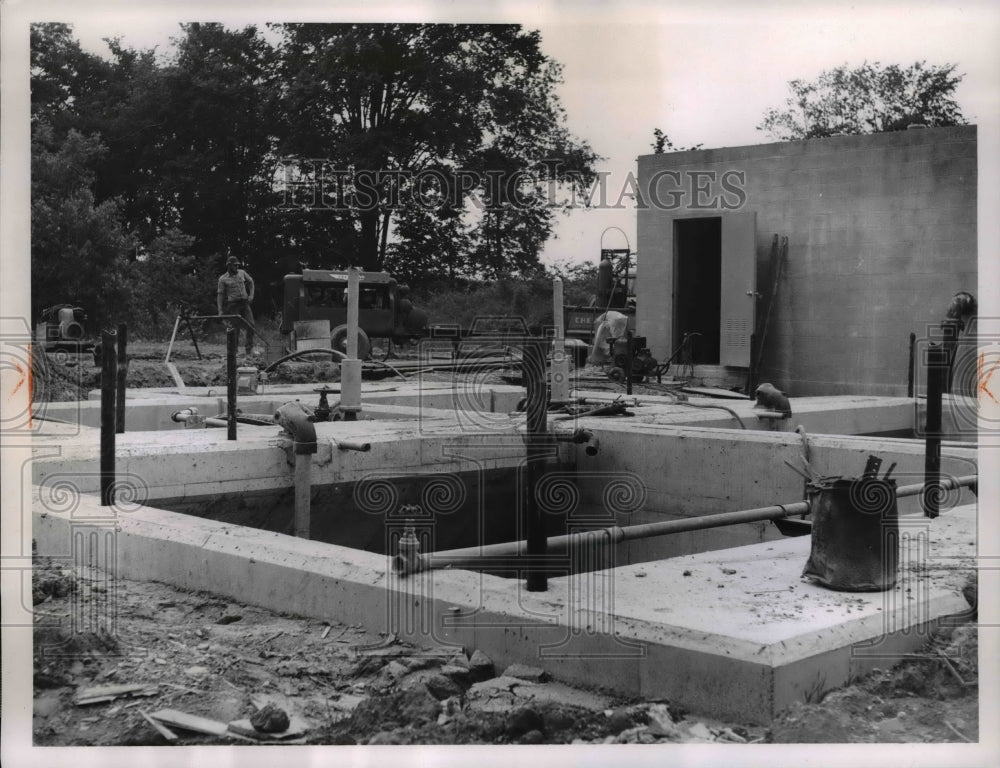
{"x": 162, "y": 729}
{"x": 190, "y": 722}
{"x": 104, "y": 693}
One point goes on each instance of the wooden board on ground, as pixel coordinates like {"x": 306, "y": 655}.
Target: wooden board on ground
{"x": 104, "y": 693}
{"x": 188, "y": 722}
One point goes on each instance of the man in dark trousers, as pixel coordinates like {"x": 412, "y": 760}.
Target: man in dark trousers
{"x": 235, "y": 297}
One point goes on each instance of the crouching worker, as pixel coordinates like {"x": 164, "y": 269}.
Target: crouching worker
{"x": 235, "y": 297}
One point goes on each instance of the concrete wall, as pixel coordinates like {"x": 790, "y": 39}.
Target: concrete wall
{"x": 881, "y": 232}
{"x": 695, "y": 471}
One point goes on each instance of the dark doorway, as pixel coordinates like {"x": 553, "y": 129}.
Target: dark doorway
{"x": 698, "y": 286}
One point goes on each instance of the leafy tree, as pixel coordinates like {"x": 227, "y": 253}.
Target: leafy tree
{"x": 63, "y": 77}
{"x": 220, "y": 91}
{"x": 151, "y": 166}
{"x": 401, "y": 99}
{"x": 868, "y": 99}
{"x": 662, "y": 143}
{"x": 78, "y": 247}
{"x": 167, "y": 279}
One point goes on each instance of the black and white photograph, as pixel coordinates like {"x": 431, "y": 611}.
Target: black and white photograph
{"x": 568, "y": 382}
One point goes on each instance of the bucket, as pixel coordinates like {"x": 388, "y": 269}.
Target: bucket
{"x": 312, "y": 334}
{"x": 855, "y": 537}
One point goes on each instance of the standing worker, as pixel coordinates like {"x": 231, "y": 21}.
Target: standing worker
{"x": 235, "y": 296}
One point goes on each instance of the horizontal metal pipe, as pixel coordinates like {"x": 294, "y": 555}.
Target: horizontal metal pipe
{"x": 945, "y": 483}
{"x": 499, "y": 555}
{"x": 222, "y": 421}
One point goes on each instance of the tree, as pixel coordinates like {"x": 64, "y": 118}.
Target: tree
{"x": 168, "y": 278}
{"x": 397, "y": 100}
{"x": 78, "y": 247}
{"x": 662, "y": 143}
{"x": 63, "y": 77}
{"x": 869, "y": 99}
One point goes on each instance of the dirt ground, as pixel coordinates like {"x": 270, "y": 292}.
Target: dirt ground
{"x": 203, "y": 655}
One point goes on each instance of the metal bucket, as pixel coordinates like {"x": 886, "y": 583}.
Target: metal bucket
{"x": 855, "y": 537}
{"x": 312, "y": 334}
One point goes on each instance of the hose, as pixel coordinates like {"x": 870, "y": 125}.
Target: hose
{"x": 301, "y": 352}
{"x": 335, "y": 352}
{"x": 725, "y": 408}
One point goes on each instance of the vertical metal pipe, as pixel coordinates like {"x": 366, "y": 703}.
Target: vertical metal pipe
{"x": 350, "y": 369}
{"x": 909, "y": 375}
{"x": 937, "y": 375}
{"x": 560, "y": 363}
{"x": 303, "y": 492}
{"x": 232, "y": 337}
{"x": 352, "y": 313}
{"x": 108, "y": 377}
{"x": 122, "y": 376}
{"x": 628, "y": 362}
{"x": 534, "y": 523}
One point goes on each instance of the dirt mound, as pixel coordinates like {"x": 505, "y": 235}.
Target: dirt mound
{"x": 931, "y": 698}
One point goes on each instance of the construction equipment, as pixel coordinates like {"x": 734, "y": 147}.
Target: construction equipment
{"x": 62, "y": 326}
{"x": 637, "y": 357}
{"x": 384, "y": 311}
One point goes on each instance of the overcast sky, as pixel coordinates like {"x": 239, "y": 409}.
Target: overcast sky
{"x": 704, "y": 76}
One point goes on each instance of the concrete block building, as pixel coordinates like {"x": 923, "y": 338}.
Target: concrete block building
{"x": 881, "y": 234}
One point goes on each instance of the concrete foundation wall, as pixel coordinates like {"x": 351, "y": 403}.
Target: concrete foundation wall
{"x": 696, "y": 471}
{"x": 881, "y": 233}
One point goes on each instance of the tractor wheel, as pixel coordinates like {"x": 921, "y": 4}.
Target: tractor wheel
{"x": 338, "y": 341}
{"x": 616, "y": 374}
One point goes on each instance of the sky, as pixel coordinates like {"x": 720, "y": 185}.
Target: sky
{"x": 704, "y": 75}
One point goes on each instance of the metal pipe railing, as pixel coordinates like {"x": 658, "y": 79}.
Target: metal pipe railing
{"x": 508, "y": 554}
{"x": 121, "y": 378}
{"x": 937, "y": 379}
{"x": 232, "y": 337}
{"x": 109, "y": 373}
{"x": 533, "y": 367}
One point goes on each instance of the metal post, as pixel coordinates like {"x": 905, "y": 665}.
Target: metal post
{"x": 194, "y": 339}
{"x": 937, "y": 375}
{"x": 122, "y": 374}
{"x": 303, "y": 493}
{"x": 560, "y": 363}
{"x": 534, "y": 522}
{"x": 109, "y": 364}
{"x": 350, "y": 367}
{"x": 232, "y": 337}
{"x": 909, "y": 374}
{"x": 628, "y": 362}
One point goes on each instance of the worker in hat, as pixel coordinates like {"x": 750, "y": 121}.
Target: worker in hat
{"x": 235, "y": 297}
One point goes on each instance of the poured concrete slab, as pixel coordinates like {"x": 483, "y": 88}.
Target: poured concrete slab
{"x": 733, "y": 634}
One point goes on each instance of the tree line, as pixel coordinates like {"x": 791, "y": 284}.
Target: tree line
{"x": 149, "y": 168}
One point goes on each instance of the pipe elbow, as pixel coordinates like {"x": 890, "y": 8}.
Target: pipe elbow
{"x": 593, "y": 445}
{"x": 294, "y": 419}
